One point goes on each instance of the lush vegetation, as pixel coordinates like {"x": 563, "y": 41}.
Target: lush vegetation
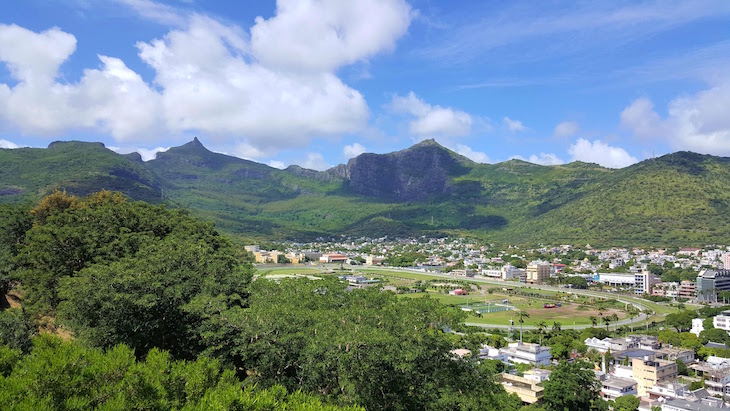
{"x": 683, "y": 197}
{"x": 158, "y": 311}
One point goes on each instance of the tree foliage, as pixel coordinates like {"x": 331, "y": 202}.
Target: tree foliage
{"x": 572, "y": 386}
{"x": 58, "y": 375}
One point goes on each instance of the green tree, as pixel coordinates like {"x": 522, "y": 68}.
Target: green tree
{"x": 521, "y": 315}
{"x": 572, "y": 386}
{"x": 626, "y": 403}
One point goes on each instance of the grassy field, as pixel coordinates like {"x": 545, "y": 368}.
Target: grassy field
{"x": 569, "y": 314}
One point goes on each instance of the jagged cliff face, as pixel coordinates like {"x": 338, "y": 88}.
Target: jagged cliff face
{"x": 421, "y": 172}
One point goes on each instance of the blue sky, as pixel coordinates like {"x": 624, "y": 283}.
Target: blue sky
{"x": 316, "y": 82}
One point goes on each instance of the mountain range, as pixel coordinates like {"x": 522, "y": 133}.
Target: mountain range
{"x": 677, "y": 199}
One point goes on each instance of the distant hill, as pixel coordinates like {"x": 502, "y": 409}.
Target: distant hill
{"x": 681, "y": 198}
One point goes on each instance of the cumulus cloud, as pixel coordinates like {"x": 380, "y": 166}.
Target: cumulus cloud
{"x": 641, "y": 118}
{"x": 210, "y": 78}
{"x": 353, "y": 150}
{"x": 566, "y": 129}
{"x": 8, "y": 144}
{"x": 698, "y": 122}
{"x": 315, "y": 161}
{"x": 277, "y": 164}
{"x": 432, "y": 121}
{"x": 600, "y": 153}
{"x": 468, "y": 152}
{"x": 513, "y": 125}
{"x": 545, "y": 159}
{"x": 326, "y": 34}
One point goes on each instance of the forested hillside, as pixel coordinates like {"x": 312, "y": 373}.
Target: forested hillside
{"x": 158, "y": 311}
{"x": 678, "y": 199}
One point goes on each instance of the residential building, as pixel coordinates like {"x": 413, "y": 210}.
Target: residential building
{"x": 463, "y": 273}
{"x": 716, "y": 374}
{"x": 614, "y": 387}
{"x": 538, "y": 272}
{"x": 643, "y": 282}
{"x": 697, "y": 326}
{"x": 491, "y": 353}
{"x": 668, "y": 289}
{"x": 527, "y": 353}
{"x": 726, "y": 261}
{"x": 688, "y": 289}
{"x": 648, "y": 373}
{"x": 709, "y": 282}
{"x": 675, "y": 353}
{"x": 722, "y": 321}
{"x": 538, "y": 374}
{"x": 529, "y": 390}
{"x": 705, "y": 404}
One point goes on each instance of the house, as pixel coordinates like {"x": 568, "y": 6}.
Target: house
{"x": 527, "y": 353}
{"x": 529, "y": 391}
{"x": 614, "y": 387}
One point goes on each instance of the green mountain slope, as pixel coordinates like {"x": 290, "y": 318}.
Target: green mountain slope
{"x": 682, "y": 198}
{"x": 80, "y": 168}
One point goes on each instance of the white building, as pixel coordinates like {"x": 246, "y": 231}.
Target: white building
{"x": 643, "y": 282}
{"x": 616, "y": 279}
{"x": 614, "y": 387}
{"x": 697, "y": 326}
{"x": 722, "y": 321}
{"x": 527, "y": 353}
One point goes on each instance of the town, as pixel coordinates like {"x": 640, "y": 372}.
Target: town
{"x": 653, "y": 322}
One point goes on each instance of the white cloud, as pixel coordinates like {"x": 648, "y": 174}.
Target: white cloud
{"x": 545, "y": 159}
{"x": 641, "y": 118}
{"x": 353, "y": 150}
{"x": 698, "y": 122}
{"x": 8, "y": 144}
{"x": 157, "y": 12}
{"x": 514, "y": 125}
{"x": 147, "y": 154}
{"x": 600, "y": 153}
{"x": 432, "y": 121}
{"x": 477, "y": 156}
{"x": 210, "y": 78}
{"x": 315, "y": 161}
{"x": 277, "y": 164}
{"x": 326, "y": 34}
{"x": 566, "y": 129}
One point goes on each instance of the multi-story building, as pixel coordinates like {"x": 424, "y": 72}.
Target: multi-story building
{"x": 614, "y": 387}
{"x": 709, "y": 282}
{"x": 687, "y": 289}
{"x": 697, "y": 326}
{"x": 643, "y": 282}
{"x": 527, "y": 353}
{"x": 648, "y": 373}
{"x": 669, "y": 289}
{"x": 530, "y": 391}
{"x": 722, "y": 321}
{"x": 716, "y": 374}
{"x": 726, "y": 261}
{"x": 538, "y": 272}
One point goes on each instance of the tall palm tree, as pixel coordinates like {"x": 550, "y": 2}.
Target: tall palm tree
{"x": 521, "y": 319}
{"x": 607, "y": 321}
{"x": 541, "y": 326}
{"x": 594, "y": 320}
{"x": 614, "y": 318}
{"x": 556, "y": 327}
